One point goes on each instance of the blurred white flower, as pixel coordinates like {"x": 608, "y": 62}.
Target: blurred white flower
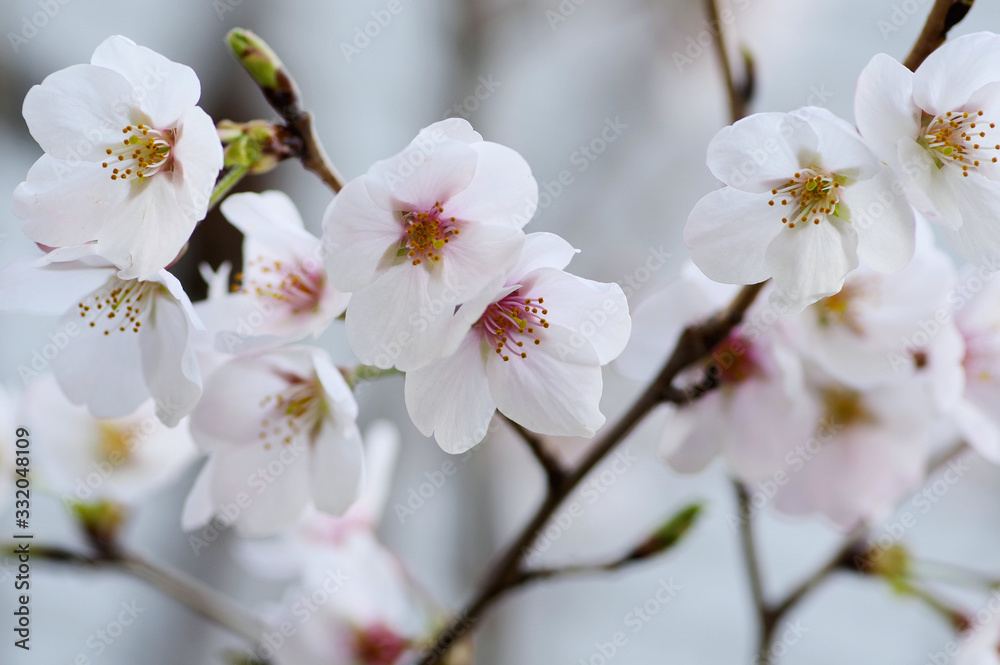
{"x": 8, "y": 438}
{"x": 981, "y": 644}
{"x": 804, "y": 199}
{"x": 126, "y": 340}
{"x": 421, "y": 233}
{"x": 754, "y": 413}
{"x": 85, "y": 459}
{"x": 285, "y": 294}
{"x": 280, "y": 430}
{"x": 130, "y": 160}
{"x": 938, "y": 127}
{"x": 532, "y": 347}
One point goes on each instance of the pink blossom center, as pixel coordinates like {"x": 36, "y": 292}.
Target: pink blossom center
{"x": 143, "y": 153}
{"x": 296, "y": 286}
{"x": 426, "y": 234}
{"x": 294, "y": 410}
{"x": 963, "y": 138}
{"x": 512, "y": 324}
{"x": 808, "y": 196}
{"x": 378, "y": 645}
{"x": 735, "y": 360}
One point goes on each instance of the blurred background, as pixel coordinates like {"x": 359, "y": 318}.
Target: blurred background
{"x": 546, "y": 77}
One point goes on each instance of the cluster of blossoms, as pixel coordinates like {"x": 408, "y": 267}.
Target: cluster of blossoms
{"x": 424, "y": 256}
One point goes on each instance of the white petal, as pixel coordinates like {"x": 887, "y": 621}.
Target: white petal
{"x": 79, "y": 111}
{"x": 841, "y": 150}
{"x": 595, "y": 311}
{"x": 951, "y": 74}
{"x": 450, "y": 398}
{"x": 419, "y": 177}
{"x": 199, "y": 507}
{"x": 166, "y": 89}
{"x": 252, "y": 213}
{"x": 359, "y": 237}
{"x": 927, "y": 187}
{"x": 457, "y": 129}
{"x": 479, "y": 258}
{"x": 396, "y": 322}
{"x": 728, "y": 232}
{"x": 542, "y": 250}
{"x": 169, "y": 363}
{"x": 884, "y": 221}
{"x": 501, "y": 192}
{"x": 810, "y": 261}
{"x": 556, "y": 390}
{"x": 978, "y": 241}
{"x": 884, "y": 108}
{"x": 67, "y": 204}
{"x": 197, "y": 155}
{"x": 51, "y": 289}
{"x": 337, "y": 468}
{"x": 752, "y": 154}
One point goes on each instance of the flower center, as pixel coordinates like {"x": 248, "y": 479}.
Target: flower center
{"x": 844, "y": 407}
{"x": 962, "y": 138}
{"x": 296, "y": 409}
{"x": 144, "y": 152}
{"x": 810, "y": 195}
{"x": 119, "y": 305}
{"x": 841, "y": 308}
{"x": 733, "y": 360}
{"x": 511, "y": 322}
{"x": 378, "y": 645}
{"x": 426, "y": 234}
{"x": 113, "y": 443}
{"x": 296, "y": 286}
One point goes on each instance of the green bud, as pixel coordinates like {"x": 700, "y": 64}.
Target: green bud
{"x": 256, "y": 57}
{"x": 102, "y": 522}
{"x": 670, "y": 533}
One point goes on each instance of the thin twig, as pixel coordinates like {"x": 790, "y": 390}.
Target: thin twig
{"x": 554, "y": 471}
{"x": 944, "y": 15}
{"x": 737, "y": 94}
{"x": 695, "y": 343}
{"x": 752, "y": 564}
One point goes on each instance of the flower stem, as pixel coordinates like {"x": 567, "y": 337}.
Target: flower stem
{"x": 226, "y": 183}
{"x": 944, "y": 15}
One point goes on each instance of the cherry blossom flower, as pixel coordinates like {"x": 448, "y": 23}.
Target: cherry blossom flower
{"x": 279, "y": 426}
{"x": 532, "y": 348}
{"x": 938, "y": 127}
{"x": 421, "y": 233}
{"x": 804, "y": 200}
{"x": 130, "y": 160}
{"x": 128, "y": 340}
{"x": 284, "y": 293}
{"x": 757, "y": 407}
{"x": 85, "y": 459}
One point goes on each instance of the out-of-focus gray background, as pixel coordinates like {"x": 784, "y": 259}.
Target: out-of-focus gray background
{"x": 550, "y": 76}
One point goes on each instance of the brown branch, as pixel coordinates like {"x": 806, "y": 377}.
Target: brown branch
{"x": 694, "y": 344}
{"x": 554, "y": 471}
{"x": 737, "y": 93}
{"x": 944, "y": 15}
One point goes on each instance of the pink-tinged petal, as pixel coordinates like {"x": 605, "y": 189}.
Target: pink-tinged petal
{"x": 396, "y": 322}
{"x": 759, "y": 152}
{"x": 169, "y": 363}
{"x": 67, "y": 204}
{"x": 841, "y": 150}
{"x": 197, "y": 158}
{"x": 457, "y": 129}
{"x": 478, "y": 259}
{"x": 883, "y": 219}
{"x": 502, "y": 191}
{"x": 884, "y": 108}
{"x": 199, "y": 508}
{"x": 276, "y": 500}
{"x": 165, "y": 88}
{"x": 555, "y": 390}
{"x": 360, "y": 238}
{"x": 728, "y": 232}
{"x": 979, "y": 429}
{"x": 690, "y": 440}
{"x": 230, "y": 412}
{"x": 51, "y": 289}
{"x": 337, "y": 468}
{"x": 79, "y": 111}
{"x": 148, "y": 230}
{"x": 595, "y": 311}
{"x": 542, "y": 250}
{"x": 657, "y": 322}
{"x": 810, "y": 261}
{"x": 103, "y": 372}
{"x": 951, "y": 74}
{"x": 421, "y": 176}
{"x": 450, "y": 398}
